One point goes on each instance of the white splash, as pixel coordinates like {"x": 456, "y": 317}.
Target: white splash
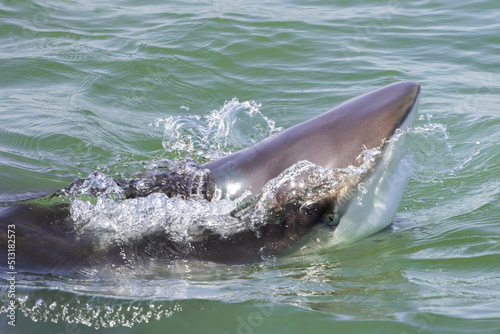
{"x": 234, "y": 126}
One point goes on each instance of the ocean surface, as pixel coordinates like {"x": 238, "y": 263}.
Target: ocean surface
{"x": 120, "y": 86}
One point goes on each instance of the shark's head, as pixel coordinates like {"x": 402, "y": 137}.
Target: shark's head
{"x": 334, "y": 141}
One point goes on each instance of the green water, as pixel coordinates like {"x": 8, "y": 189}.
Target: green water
{"x": 82, "y": 83}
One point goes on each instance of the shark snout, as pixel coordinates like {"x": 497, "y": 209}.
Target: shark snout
{"x": 334, "y": 139}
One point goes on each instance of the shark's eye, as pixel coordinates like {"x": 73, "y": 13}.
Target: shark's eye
{"x": 331, "y": 219}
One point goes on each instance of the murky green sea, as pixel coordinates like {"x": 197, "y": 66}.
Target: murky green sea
{"x": 82, "y": 84}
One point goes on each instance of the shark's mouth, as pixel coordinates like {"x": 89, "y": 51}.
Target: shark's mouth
{"x": 379, "y": 195}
